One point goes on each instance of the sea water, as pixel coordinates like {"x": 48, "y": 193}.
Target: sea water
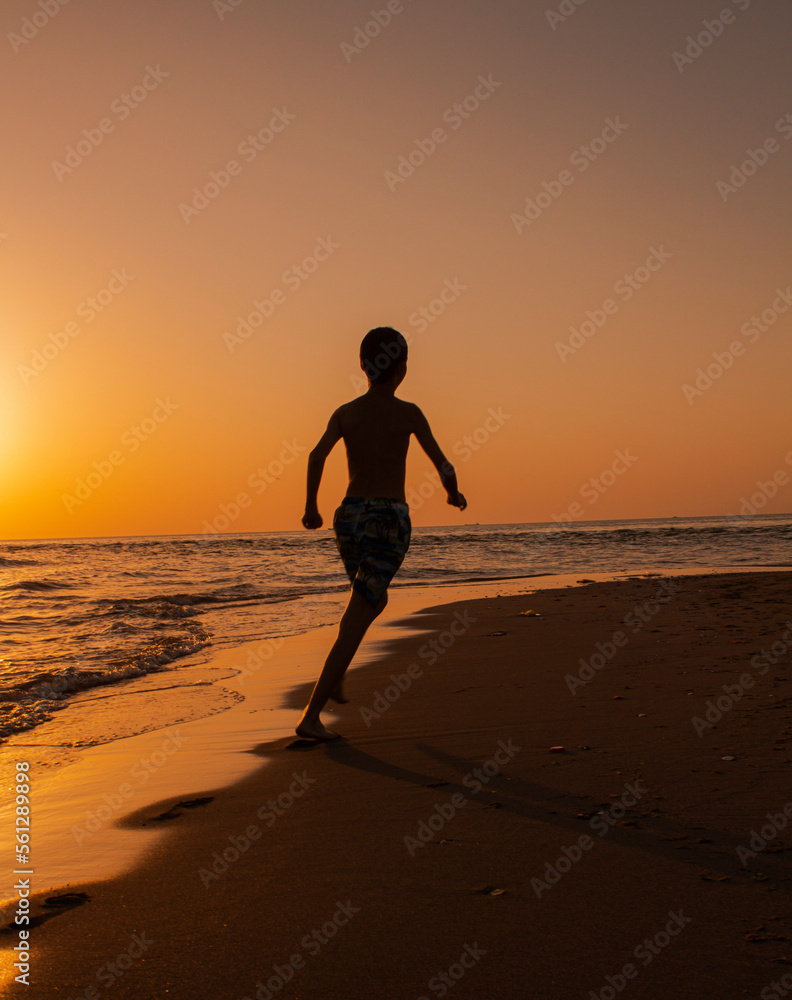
{"x": 77, "y": 614}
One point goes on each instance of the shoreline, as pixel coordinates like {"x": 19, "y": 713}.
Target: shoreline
{"x": 402, "y": 717}
{"x": 83, "y": 793}
{"x": 106, "y": 780}
{"x": 63, "y": 731}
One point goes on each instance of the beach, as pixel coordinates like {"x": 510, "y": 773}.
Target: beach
{"x": 476, "y": 308}
{"x": 562, "y": 793}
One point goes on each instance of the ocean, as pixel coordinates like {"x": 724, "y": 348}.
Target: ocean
{"x": 82, "y": 613}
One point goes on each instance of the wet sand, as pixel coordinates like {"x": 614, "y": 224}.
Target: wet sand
{"x": 556, "y": 804}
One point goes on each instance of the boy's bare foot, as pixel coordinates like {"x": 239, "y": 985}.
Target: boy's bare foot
{"x": 339, "y": 696}
{"x": 315, "y": 731}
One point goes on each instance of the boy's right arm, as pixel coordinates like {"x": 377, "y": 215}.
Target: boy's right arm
{"x": 427, "y": 441}
{"x": 316, "y": 460}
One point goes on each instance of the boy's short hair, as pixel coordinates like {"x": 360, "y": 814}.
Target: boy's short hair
{"x": 381, "y": 352}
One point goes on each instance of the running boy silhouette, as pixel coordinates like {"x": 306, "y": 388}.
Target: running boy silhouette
{"x": 372, "y": 525}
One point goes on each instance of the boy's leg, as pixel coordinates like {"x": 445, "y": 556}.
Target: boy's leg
{"x": 373, "y": 537}
{"x": 355, "y": 621}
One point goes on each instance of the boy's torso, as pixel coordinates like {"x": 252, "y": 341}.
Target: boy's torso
{"x": 376, "y": 431}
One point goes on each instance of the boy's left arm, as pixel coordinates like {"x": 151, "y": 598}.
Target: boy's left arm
{"x": 316, "y": 460}
{"x": 427, "y": 441}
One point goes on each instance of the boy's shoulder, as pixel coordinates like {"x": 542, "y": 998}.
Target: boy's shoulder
{"x": 361, "y": 405}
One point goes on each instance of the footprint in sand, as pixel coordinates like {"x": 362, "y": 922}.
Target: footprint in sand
{"x": 174, "y": 811}
{"x": 57, "y": 904}
{"x": 67, "y": 899}
{"x": 489, "y": 890}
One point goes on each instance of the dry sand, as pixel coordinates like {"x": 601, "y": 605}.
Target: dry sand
{"x": 444, "y": 848}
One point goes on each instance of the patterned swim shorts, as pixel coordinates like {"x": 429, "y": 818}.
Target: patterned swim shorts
{"x": 372, "y": 535}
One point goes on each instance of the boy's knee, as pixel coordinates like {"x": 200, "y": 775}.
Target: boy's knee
{"x": 362, "y": 607}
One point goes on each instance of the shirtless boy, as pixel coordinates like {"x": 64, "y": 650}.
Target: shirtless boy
{"x": 372, "y": 525}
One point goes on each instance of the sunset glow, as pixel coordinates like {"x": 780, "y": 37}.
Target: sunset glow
{"x": 579, "y": 224}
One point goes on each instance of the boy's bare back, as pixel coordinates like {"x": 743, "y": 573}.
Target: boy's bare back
{"x": 376, "y": 429}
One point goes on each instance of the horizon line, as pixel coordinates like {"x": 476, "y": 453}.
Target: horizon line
{"x": 476, "y": 524}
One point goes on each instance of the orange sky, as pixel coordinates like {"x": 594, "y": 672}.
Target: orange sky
{"x": 152, "y": 397}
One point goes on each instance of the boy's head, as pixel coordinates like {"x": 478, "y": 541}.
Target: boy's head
{"x": 382, "y": 352}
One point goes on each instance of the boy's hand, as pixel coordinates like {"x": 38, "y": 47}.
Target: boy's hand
{"x": 312, "y": 519}
{"x": 457, "y": 501}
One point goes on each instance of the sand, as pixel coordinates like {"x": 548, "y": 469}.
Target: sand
{"x": 538, "y": 805}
